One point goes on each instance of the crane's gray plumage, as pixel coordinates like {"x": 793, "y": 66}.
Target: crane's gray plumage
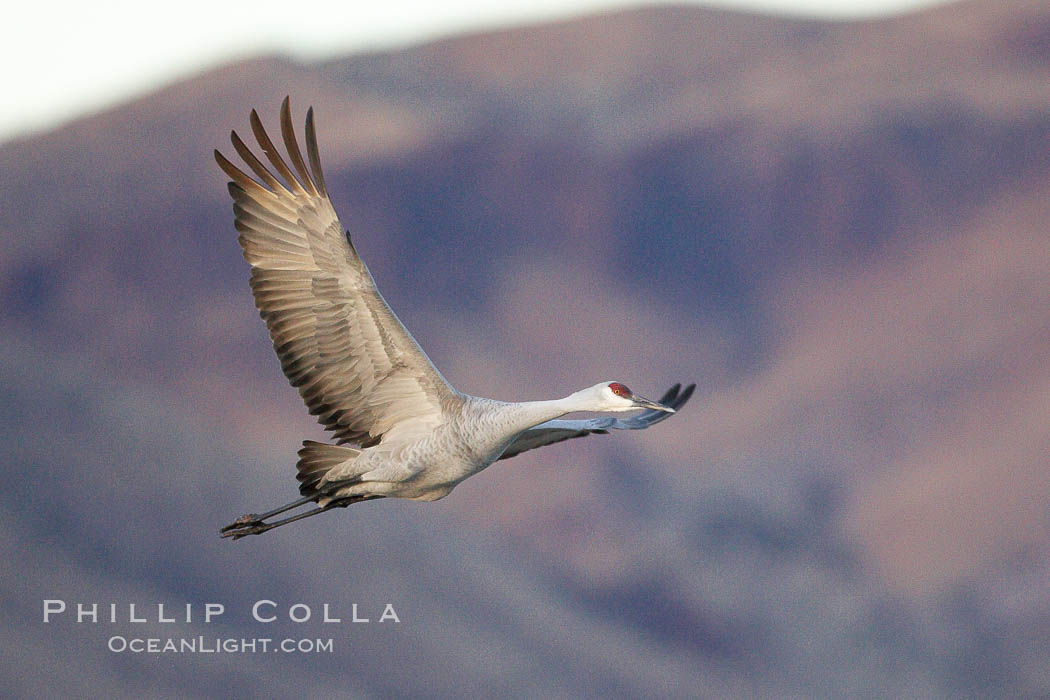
{"x": 401, "y": 429}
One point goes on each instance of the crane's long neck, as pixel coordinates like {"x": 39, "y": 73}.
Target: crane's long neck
{"x": 527, "y": 414}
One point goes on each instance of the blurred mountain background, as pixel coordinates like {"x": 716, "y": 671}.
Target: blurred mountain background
{"x": 837, "y": 229}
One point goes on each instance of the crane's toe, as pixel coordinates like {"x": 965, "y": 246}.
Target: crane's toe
{"x": 237, "y": 532}
{"x": 244, "y": 520}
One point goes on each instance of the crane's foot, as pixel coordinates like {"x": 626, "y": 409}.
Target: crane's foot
{"x": 253, "y": 524}
{"x": 237, "y": 530}
{"x": 249, "y": 519}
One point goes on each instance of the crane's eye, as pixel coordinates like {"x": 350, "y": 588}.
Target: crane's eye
{"x": 619, "y": 389}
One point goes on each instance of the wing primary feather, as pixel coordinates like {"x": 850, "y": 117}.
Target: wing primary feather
{"x": 670, "y": 394}
{"x": 313, "y": 154}
{"x": 236, "y": 174}
{"x": 292, "y": 146}
{"x": 273, "y": 154}
{"x": 242, "y": 183}
{"x": 255, "y": 164}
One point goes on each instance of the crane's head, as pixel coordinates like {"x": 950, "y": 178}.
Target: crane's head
{"x": 617, "y": 397}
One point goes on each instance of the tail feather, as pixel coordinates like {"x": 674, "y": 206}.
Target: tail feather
{"x": 316, "y": 459}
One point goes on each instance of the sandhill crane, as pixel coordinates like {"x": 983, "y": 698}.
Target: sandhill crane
{"x": 401, "y": 430}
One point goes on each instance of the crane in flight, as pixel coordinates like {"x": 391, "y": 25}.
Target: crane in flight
{"x": 401, "y": 430}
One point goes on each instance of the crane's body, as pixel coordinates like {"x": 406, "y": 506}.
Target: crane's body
{"x": 402, "y": 430}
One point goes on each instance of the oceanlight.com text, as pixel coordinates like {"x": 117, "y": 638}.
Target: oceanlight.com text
{"x": 215, "y": 645}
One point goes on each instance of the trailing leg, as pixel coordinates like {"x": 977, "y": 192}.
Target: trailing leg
{"x": 255, "y": 518}
{"x": 254, "y": 525}
{"x": 257, "y": 527}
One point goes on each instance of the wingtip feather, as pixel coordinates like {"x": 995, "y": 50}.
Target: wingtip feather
{"x": 313, "y": 153}
{"x": 291, "y": 145}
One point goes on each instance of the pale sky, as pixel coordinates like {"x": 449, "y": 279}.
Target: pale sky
{"x": 64, "y": 58}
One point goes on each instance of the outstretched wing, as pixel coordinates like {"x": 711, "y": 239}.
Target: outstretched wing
{"x": 558, "y": 430}
{"x": 355, "y": 365}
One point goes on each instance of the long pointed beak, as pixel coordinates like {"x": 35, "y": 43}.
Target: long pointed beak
{"x": 642, "y": 402}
